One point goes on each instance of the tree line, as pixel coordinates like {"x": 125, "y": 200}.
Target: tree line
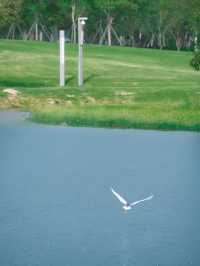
{"x": 163, "y": 24}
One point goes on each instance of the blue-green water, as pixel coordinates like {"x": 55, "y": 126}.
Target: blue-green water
{"x": 56, "y": 207}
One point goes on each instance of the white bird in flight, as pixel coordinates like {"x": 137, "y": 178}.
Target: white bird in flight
{"x": 128, "y": 206}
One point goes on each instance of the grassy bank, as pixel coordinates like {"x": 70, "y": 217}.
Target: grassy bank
{"x": 124, "y": 87}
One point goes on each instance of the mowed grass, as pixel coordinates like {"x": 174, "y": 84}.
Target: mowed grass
{"x": 124, "y": 87}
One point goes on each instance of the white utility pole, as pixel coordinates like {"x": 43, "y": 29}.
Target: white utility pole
{"x": 81, "y": 24}
{"x": 62, "y": 58}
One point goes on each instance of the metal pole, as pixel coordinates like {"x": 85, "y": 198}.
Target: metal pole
{"x": 81, "y": 24}
{"x": 62, "y": 58}
{"x": 80, "y": 66}
{"x": 80, "y": 55}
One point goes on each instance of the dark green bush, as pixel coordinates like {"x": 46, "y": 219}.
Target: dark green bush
{"x": 195, "y": 62}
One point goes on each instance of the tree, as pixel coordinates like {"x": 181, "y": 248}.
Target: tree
{"x": 9, "y": 11}
{"x": 111, "y": 9}
{"x": 144, "y": 23}
{"x": 10, "y": 15}
{"x": 178, "y": 21}
{"x": 194, "y": 21}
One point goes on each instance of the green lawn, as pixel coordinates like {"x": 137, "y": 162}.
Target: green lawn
{"x": 124, "y": 87}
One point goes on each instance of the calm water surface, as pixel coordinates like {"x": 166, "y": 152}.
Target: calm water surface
{"x": 56, "y": 208}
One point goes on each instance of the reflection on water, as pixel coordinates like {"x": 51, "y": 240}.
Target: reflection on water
{"x": 57, "y": 208}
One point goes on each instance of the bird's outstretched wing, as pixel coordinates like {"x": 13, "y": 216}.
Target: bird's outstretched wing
{"x": 136, "y": 202}
{"x": 120, "y": 198}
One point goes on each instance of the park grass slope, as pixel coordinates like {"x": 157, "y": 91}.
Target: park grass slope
{"x": 124, "y": 87}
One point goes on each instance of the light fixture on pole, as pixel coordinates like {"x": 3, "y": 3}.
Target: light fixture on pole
{"x": 81, "y": 24}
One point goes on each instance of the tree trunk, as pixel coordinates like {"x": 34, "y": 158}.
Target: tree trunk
{"x": 160, "y": 34}
{"x": 196, "y": 42}
{"x": 29, "y": 32}
{"x": 132, "y": 38}
{"x": 160, "y": 40}
{"x": 178, "y": 42}
{"x": 9, "y": 31}
{"x": 101, "y": 40}
{"x": 98, "y": 33}
{"x": 164, "y": 40}
{"x": 151, "y": 41}
{"x": 41, "y": 36}
{"x": 116, "y": 36}
{"x": 73, "y": 37}
{"x": 13, "y": 33}
{"x": 110, "y": 21}
{"x": 140, "y": 38}
{"x": 36, "y": 31}
{"x": 45, "y": 31}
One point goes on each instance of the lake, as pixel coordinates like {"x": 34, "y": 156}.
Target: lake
{"x": 56, "y": 207}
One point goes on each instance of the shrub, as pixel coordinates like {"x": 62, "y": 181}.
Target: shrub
{"x": 195, "y": 62}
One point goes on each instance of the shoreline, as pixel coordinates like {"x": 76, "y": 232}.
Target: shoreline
{"x": 74, "y": 117}
{"x": 25, "y": 116}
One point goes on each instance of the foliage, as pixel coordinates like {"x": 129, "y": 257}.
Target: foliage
{"x": 156, "y": 23}
{"x": 195, "y": 62}
{"x": 9, "y": 11}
